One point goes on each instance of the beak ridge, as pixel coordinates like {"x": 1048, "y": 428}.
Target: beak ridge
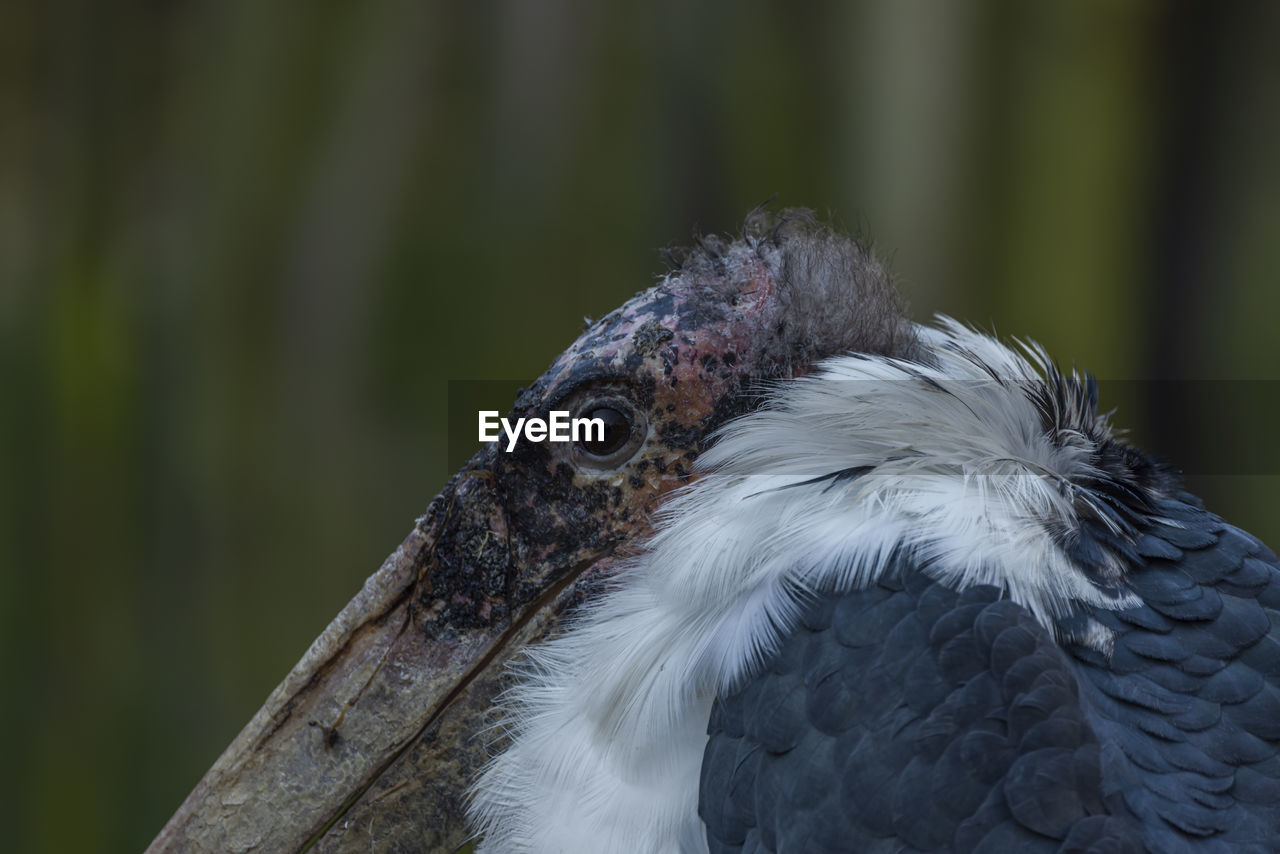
{"x": 374, "y": 681}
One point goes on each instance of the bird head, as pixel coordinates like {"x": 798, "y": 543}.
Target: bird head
{"x": 378, "y": 732}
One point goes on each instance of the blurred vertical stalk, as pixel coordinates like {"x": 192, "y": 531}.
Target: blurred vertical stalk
{"x": 1211, "y": 293}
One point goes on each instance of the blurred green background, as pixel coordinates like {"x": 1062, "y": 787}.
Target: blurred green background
{"x": 245, "y": 245}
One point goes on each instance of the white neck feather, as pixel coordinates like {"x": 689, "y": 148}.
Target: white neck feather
{"x": 607, "y": 722}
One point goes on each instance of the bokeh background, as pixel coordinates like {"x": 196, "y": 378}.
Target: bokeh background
{"x": 244, "y": 247}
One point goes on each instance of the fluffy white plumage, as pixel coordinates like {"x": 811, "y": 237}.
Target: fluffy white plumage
{"x": 948, "y": 459}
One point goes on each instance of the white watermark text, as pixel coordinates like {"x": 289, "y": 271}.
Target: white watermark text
{"x": 557, "y": 427}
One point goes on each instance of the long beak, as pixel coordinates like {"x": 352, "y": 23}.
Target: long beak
{"x": 376, "y": 723}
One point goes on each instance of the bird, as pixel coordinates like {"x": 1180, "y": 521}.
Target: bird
{"x": 830, "y": 580}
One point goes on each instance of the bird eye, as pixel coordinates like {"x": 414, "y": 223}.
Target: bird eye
{"x": 617, "y": 430}
{"x": 622, "y": 435}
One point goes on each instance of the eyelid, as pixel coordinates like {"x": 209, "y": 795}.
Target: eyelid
{"x": 596, "y": 385}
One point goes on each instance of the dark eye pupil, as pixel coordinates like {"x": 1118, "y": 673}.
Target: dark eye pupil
{"x": 617, "y": 430}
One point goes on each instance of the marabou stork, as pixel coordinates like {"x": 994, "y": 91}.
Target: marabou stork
{"x": 913, "y": 595}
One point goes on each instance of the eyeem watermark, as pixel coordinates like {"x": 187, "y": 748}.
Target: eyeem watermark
{"x": 558, "y": 427}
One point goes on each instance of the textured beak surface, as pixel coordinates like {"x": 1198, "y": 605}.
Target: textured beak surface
{"x": 373, "y": 739}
